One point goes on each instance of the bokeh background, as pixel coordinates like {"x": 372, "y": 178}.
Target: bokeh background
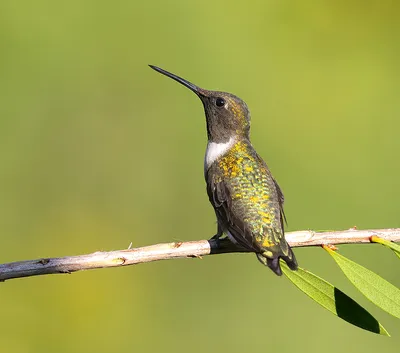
{"x": 97, "y": 151}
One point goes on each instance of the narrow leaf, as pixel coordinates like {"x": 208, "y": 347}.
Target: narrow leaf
{"x": 374, "y": 287}
{"x": 333, "y": 299}
{"x": 395, "y": 247}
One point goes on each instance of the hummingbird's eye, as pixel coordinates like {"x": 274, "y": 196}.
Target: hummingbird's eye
{"x": 220, "y": 102}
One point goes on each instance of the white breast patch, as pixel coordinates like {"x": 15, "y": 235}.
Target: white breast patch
{"x": 216, "y": 150}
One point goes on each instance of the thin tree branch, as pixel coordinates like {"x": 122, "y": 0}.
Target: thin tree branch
{"x": 166, "y": 251}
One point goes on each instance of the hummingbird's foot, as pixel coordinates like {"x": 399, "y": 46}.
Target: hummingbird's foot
{"x": 217, "y": 237}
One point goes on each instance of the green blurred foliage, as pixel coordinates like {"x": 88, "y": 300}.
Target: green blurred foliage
{"x": 98, "y": 150}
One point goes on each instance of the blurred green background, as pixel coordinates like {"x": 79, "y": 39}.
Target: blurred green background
{"x": 98, "y": 150}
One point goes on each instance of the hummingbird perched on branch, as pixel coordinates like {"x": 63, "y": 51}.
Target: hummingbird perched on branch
{"x": 246, "y": 198}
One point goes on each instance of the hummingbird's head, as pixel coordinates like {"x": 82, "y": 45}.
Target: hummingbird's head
{"x": 226, "y": 114}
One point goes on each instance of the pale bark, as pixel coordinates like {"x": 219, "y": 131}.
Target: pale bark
{"x": 190, "y": 249}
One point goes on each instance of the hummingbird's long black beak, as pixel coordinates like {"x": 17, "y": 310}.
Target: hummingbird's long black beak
{"x": 199, "y": 91}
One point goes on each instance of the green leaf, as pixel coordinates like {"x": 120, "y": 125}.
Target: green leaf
{"x": 395, "y": 247}
{"x": 333, "y": 299}
{"x": 374, "y": 287}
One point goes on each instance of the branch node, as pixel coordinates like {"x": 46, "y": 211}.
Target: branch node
{"x": 43, "y": 261}
{"x": 66, "y": 272}
{"x": 120, "y": 260}
{"x": 194, "y": 256}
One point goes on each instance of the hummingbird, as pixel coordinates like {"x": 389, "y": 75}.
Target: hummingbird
{"x": 247, "y": 200}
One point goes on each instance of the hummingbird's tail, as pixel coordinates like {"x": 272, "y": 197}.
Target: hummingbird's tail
{"x": 273, "y": 262}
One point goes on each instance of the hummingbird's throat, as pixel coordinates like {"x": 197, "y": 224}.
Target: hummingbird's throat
{"x": 216, "y": 150}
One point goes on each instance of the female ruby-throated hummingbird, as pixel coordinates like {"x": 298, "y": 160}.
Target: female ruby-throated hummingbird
{"x": 247, "y": 200}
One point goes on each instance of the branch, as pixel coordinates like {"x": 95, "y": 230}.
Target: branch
{"x": 166, "y": 251}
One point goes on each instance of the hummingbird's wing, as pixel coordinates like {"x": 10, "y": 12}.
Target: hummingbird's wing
{"x": 281, "y": 200}
{"x": 219, "y": 195}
